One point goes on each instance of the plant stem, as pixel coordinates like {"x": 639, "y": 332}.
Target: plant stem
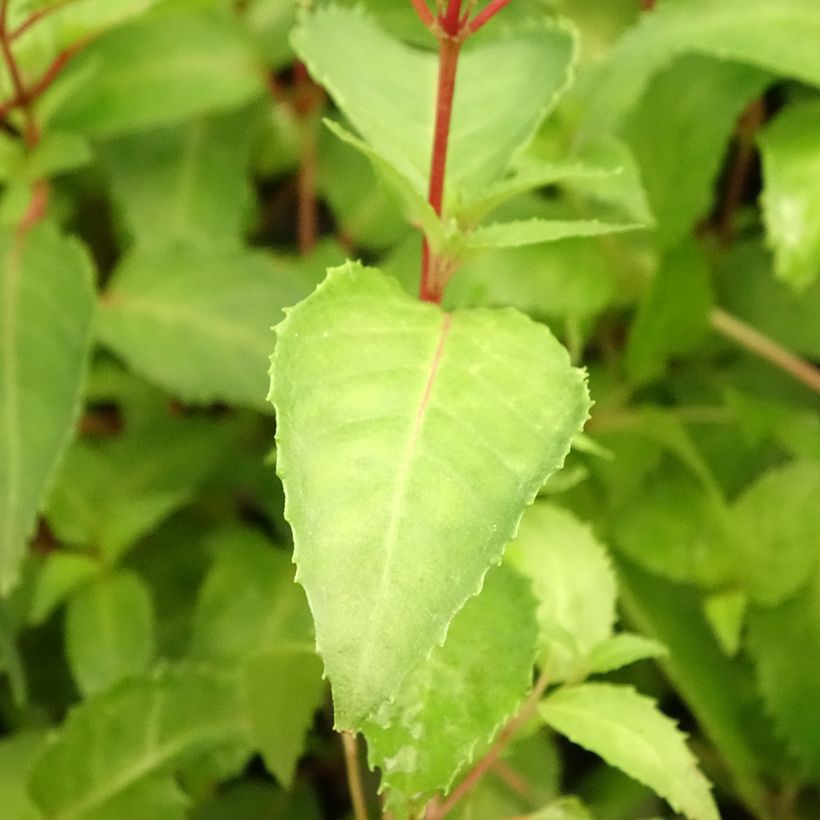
{"x": 307, "y": 99}
{"x": 753, "y": 340}
{"x": 487, "y": 14}
{"x": 354, "y": 776}
{"x": 527, "y": 710}
{"x": 449, "y": 49}
{"x": 424, "y": 13}
{"x": 31, "y": 131}
{"x": 36, "y": 16}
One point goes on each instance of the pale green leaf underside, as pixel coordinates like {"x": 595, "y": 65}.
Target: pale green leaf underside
{"x": 791, "y": 193}
{"x": 450, "y": 706}
{"x": 387, "y": 90}
{"x": 749, "y": 31}
{"x": 46, "y": 312}
{"x": 628, "y": 732}
{"x": 409, "y": 443}
{"x": 621, "y": 650}
{"x": 123, "y": 739}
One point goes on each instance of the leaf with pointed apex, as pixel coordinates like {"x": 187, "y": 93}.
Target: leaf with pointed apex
{"x": 57, "y": 575}
{"x": 46, "y": 311}
{"x": 573, "y": 581}
{"x": 621, "y": 650}
{"x": 132, "y": 735}
{"x": 629, "y": 732}
{"x": 450, "y": 707}
{"x": 443, "y": 429}
{"x": 726, "y": 614}
{"x": 387, "y": 91}
{"x": 790, "y": 149}
{"x": 109, "y": 631}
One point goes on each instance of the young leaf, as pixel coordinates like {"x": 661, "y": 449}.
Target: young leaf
{"x": 387, "y": 91}
{"x": 156, "y": 71}
{"x": 450, "y": 706}
{"x": 117, "y": 745}
{"x": 444, "y": 427}
{"x": 629, "y": 732}
{"x": 621, "y": 650}
{"x": 573, "y": 581}
{"x": 213, "y": 307}
{"x": 726, "y": 614}
{"x": 46, "y": 311}
{"x": 790, "y": 148}
{"x": 109, "y": 631}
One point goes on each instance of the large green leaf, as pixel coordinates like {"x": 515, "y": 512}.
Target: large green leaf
{"x": 749, "y": 31}
{"x": 387, "y": 90}
{"x": 17, "y": 752}
{"x": 160, "y": 70}
{"x": 573, "y": 581}
{"x": 46, "y": 311}
{"x": 628, "y": 731}
{"x": 196, "y": 319}
{"x": 109, "y": 631}
{"x": 791, "y": 194}
{"x": 122, "y": 742}
{"x": 449, "y": 707}
{"x": 443, "y": 428}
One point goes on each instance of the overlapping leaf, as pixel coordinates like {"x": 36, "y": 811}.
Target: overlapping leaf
{"x": 442, "y": 429}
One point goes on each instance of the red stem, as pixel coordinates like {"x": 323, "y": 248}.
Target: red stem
{"x": 424, "y": 13}
{"x": 450, "y": 21}
{"x": 487, "y": 14}
{"x": 449, "y": 49}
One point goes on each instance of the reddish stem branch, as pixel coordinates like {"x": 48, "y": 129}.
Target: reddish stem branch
{"x": 487, "y": 14}
{"x": 35, "y": 17}
{"x": 306, "y": 100}
{"x": 424, "y": 13}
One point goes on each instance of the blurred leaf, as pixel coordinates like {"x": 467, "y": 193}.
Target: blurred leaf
{"x": 196, "y": 319}
{"x": 567, "y": 808}
{"x": 271, "y": 22}
{"x": 621, "y": 650}
{"x": 573, "y": 582}
{"x": 185, "y": 183}
{"x": 283, "y": 688}
{"x": 790, "y": 148}
{"x": 156, "y": 71}
{"x": 46, "y": 312}
{"x": 118, "y": 747}
{"x": 109, "y": 631}
{"x": 726, "y": 613}
{"x": 505, "y": 89}
{"x": 420, "y": 413}
{"x": 450, "y": 706}
{"x": 57, "y": 576}
{"x": 252, "y": 800}
{"x": 17, "y": 753}
{"x": 629, "y": 732}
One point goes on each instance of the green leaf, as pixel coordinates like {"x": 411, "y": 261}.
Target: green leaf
{"x": 679, "y": 132}
{"x": 17, "y": 753}
{"x": 673, "y": 317}
{"x": 124, "y": 740}
{"x": 450, "y": 707}
{"x": 196, "y": 319}
{"x": 160, "y": 70}
{"x": 790, "y": 148}
{"x": 726, "y": 613}
{"x": 46, "y": 312}
{"x": 622, "y": 650}
{"x": 255, "y": 800}
{"x": 573, "y": 582}
{"x": 784, "y": 643}
{"x": 444, "y": 427}
{"x": 109, "y": 631}
{"x": 629, "y": 732}
{"x": 185, "y": 183}
{"x": 387, "y": 90}
{"x": 567, "y": 808}
{"x": 270, "y": 612}
{"x": 283, "y": 688}
{"x": 58, "y": 575}
{"x": 746, "y": 31}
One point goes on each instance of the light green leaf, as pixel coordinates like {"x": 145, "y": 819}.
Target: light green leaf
{"x": 621, "y": 650}
{"x": 534, "y": 231}
{"x": 271, "y": 22}
{"x": 17, "y": 753}
{"x": 183, "y": 184}
{"x": 387, "y": 90}
{"x": 121, "y": 740}
{"x": 444, "y": 427}
{"x": 157, "y": 71}
{"x": 270, "y": 612}
{"x": 56, "y": 153}
{"x": 790, "y": 149}
{"x": 747, "y": 31}
{"x": 784, "y": 643}
{"x": 726, "y": 614}
{"x": 567, "y": 808}
{"x": 109, "y": 631}
{"x": 196, "y": 319}
{"x": 777, "y": 532}
{"x": 46, "y": 311}
{"x": 57, "y": 576}
{"x": 450, "y": 707}
{"x": 629, "y": 732}
{"x": 283, "y": 688}
{"x": 148, "y": 799}
{"x": 573, "y": 581}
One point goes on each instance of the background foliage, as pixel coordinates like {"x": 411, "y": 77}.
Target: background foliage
{"x": 169, "y": 188}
